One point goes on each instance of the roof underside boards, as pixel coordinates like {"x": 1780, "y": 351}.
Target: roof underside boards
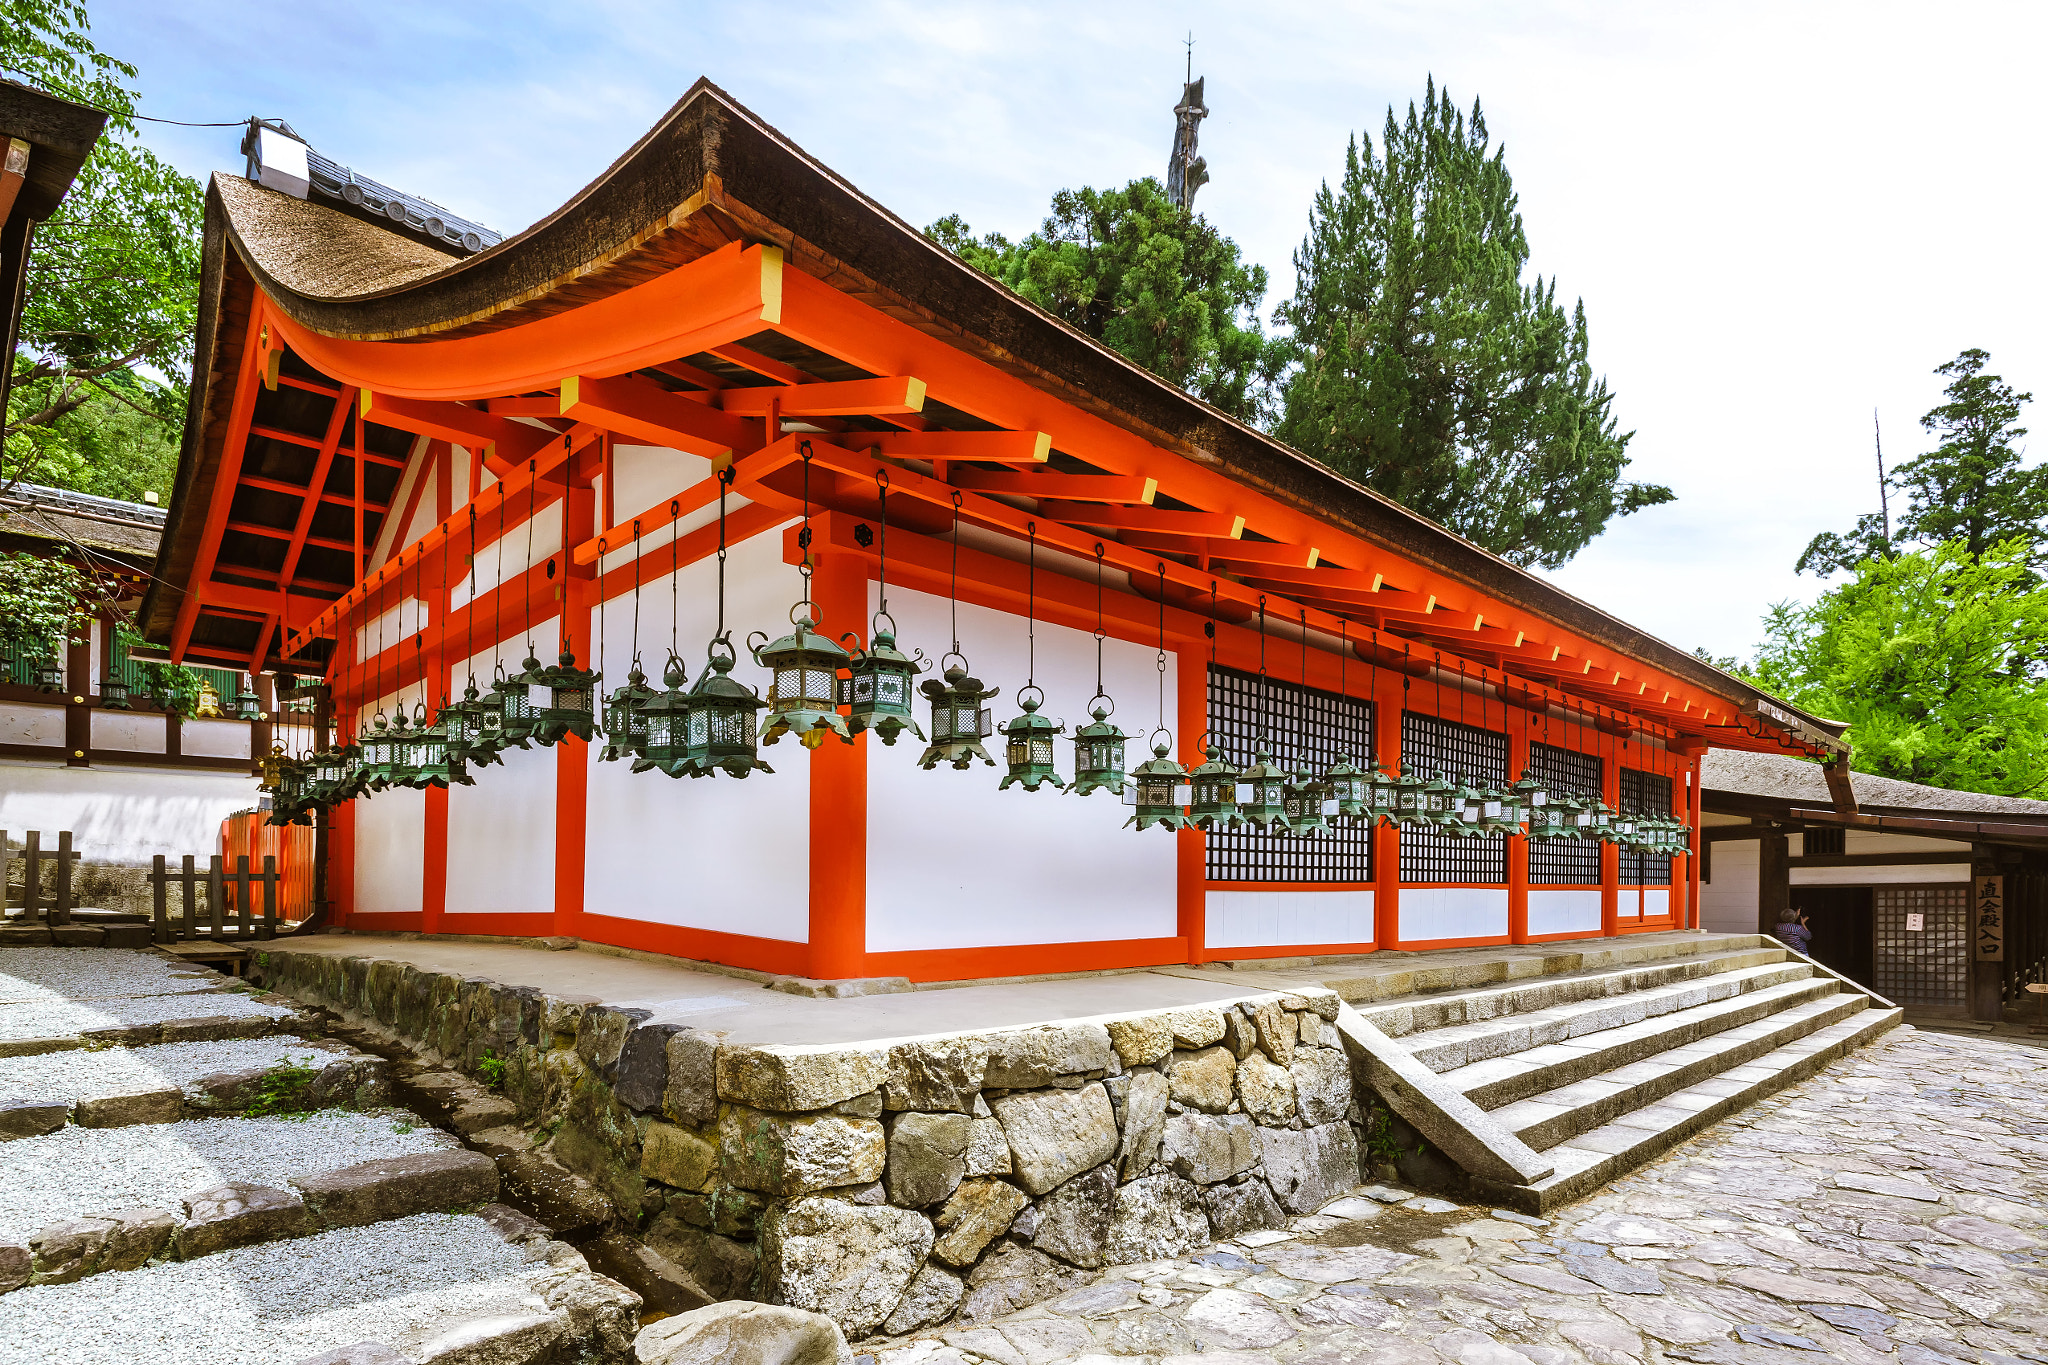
{"x": 716, "y": 290}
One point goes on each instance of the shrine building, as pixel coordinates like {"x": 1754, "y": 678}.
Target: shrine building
{"x": 720, "y": 383}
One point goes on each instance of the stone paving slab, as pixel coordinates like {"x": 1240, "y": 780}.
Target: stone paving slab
{"x": 32, "y": 974}
{"x": 67, "y": 1077}
{"x": 1890, "y": 1210}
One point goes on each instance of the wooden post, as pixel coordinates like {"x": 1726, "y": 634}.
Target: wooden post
{"x": 216, "y": 896}
{"x": 31, "y": 876}
{"x": 60, "y": 907}
{"x": 269, "y": 895}
{"x": 188, "y": 878}
{"x": 159, "y": 888}
{"x": 244, "y": 912}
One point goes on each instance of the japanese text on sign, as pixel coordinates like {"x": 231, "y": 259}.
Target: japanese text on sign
{"x": 1990, "y": 915}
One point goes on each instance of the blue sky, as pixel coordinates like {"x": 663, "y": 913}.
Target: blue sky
{"x": 1780, "y": 216}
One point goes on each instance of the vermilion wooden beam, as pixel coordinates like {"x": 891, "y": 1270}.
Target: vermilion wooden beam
{"x": 1202, "y": 525}
{"x": 233, "y": 446}
{"x": 987, "y": 447}
{"x": 844, "y": 398}
{"x": 1105, "y": 488}
{"x": 634, "y": 406}
{"x": 1231, "y": 551}
{"x": 747, "y": 358}
{"x": 504, "y": 442}
{"x": 336, "y": 425}
{"x": 1347, "y": 580}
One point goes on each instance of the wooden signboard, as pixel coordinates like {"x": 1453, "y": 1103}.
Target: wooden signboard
{"x": 1989, "y": 936}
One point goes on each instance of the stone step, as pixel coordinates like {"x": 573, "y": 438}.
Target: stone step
{"x": 475, "y": 1287}
{"x": 1422, "y": 1014}
{"x": 1499, "y": 1081}
{"x": 82, "y": 1200}
{"x": 1592, "y": 1159}
{"x": 1543, "y": 1121}
{"x": 1447, "y": 1049}
{"x": 1396, "y": 975}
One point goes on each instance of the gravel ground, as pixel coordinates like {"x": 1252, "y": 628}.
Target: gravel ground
{"x": 56, "y": 1018}
{"x": 76, "y": 1075}
{"x": 75, "y": 1172}
{"x": 94, "y": 974}
{"x": 401, "y": 1282}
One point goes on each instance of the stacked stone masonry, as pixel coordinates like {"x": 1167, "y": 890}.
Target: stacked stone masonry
{"x": 891, "y": 1186}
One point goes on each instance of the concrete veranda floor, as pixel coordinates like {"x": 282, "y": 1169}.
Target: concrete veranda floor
{"x": 679, "y": 991}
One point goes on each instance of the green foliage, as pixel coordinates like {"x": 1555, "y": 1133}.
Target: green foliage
{"x": 1382, "y": 1147}
{"x": 1161, "y": 287}
{"x": 1935, "y": 659}
{"x": 172, "y": 686}
{"x": 40, "y": 602}
{"x": 113, "y": 283}
{"x": 1970, "y": 488}
{"x": 282, "y": 1092}
{"x": 490, "y": 1069}
{"x": 1428, "y": 370}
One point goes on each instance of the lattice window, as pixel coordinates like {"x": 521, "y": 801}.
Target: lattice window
{"x": 1303, "y": 725}
{"x": 1823, "y": 843}
{"x": 1564, "y": 862}
{"x": 1430, "y": 745}
{"x": 1929, "y": 965}
{"x": 1645, "y": 794}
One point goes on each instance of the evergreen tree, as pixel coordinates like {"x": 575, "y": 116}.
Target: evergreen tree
{"x": 113, "y": 284}
{"x": 1970, "y": 488}
{"x": 1429, "y": 370}
{"x": 1160, "y": 286}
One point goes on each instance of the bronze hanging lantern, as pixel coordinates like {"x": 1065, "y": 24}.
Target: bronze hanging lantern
{"x": 565, "y": 708}
{"x": 1262, "y": 794}
{"x": 1099, "y": 745}
{"x": 663, "y": 716}
{"x": 803, "y": 696}
{"x": 473, "y": 727}
{"x": 1216, "y": 784}
{"x": 959, "y": 720}
{"x": 1028, "y": 747}
{"x": 803, "y": 666}
{"x": 721, "y": 719}
{"x": 1158, "y": 790}
{"x": 878, "y": 689}
{"x": 114, "y": 692}
{"x": 625, "y": 724}
{"x": 1350, "y": 787}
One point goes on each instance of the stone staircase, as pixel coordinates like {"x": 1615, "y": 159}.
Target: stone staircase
{"x": 1603, "y": 1068}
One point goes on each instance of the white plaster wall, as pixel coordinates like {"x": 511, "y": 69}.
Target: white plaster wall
{"x": 1728, "y": 903}
{"x": 215, "y": 739}
{"x": 1908, "y": 875}
{"x": 731, "y": 855}
{"x": 1561, "y": 910}
{"x": 28, "y": 723}
{"x": 501, "y": 831}
{"x": 139, "y": 732}
{"x": 1268, "y": 919}
{"x": 1433, "y": 912}
{"x": 496, "y": 563}
{"x": 122, "y": 815}
{"x": 1656, "y": 902}
{"x": 390, "y": 852}
{"x": 954, "y": 863}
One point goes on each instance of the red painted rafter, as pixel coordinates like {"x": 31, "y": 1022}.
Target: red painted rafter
{"x": 336, "y": 425}
{"x": 233, "y": 445}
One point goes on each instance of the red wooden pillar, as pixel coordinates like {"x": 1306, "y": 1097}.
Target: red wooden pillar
{"x": 1386, "y": 837}
{"x": 575, "y": 586}
{"x": 434, "y": 685}
{"x": 1517, "y": 726}
{"x": 839, "y": 797}
{"x": 1610, "y": 856}
{"x": 1191, "y": 849}
{"x": 341, "y": 863}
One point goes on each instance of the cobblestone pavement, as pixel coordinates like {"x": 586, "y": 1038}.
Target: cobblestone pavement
{"x": 1894, "y": 1208}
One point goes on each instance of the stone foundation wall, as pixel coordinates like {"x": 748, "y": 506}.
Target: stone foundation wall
{"x": 893, "y": 1185}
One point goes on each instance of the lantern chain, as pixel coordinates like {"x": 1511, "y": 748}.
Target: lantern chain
{"x": 469, "y": 620}
{"x": 636, "y": 593}
{"x": 953, "y": 586}
{"x": 675, "y": 509}
{"x": 882, "y": 561}
{"x": 1099, "y": 632}
{"x": 803, "y": 540}
{"x": 1265, "y": 684}
{"x": 1031, "y": 608}
{"x": 498, "y": 602}
{"x": 532, "y": 482}
{"x": 725, "y": 478}
{"x": 1159, "y": 662}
